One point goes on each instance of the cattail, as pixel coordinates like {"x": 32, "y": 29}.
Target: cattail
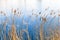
{"x": 58, "y": 14}
{"x": 15, "y": 11}
{"x": 1, "y": 12}
{"x": 44, "y": 19}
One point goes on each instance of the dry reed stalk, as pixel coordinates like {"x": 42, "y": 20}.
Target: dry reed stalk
{"x": 41, "y": 28}
{"x": 4, "y": 30}
{"x": 55, "y": 34}
{"x": 41, "y": 32}
{"x": 5, "y": 25}
{"x": 25, "y": 30}
{"x": 14, "y": 35}
{"x": 22, "y": 31}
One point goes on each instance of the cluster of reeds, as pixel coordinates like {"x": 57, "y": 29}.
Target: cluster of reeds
{"x": 39, "y": 34}
{"x": 52, "y": 34}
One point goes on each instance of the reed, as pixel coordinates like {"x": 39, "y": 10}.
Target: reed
{"x": 4, "y": 24}
{"x": 13, "y": 33}
{"x": 25, "y": 30}
{"x": 39, "y": 34}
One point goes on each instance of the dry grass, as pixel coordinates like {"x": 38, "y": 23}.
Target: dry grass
{"x": 41, "y": 32}
{"x": 13, "y": 33}
{"x": 53, "y": 34}
{"x": 26, "y": 33}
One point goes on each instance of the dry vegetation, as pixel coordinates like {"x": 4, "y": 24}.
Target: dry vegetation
{"x": 53, "y": 34}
